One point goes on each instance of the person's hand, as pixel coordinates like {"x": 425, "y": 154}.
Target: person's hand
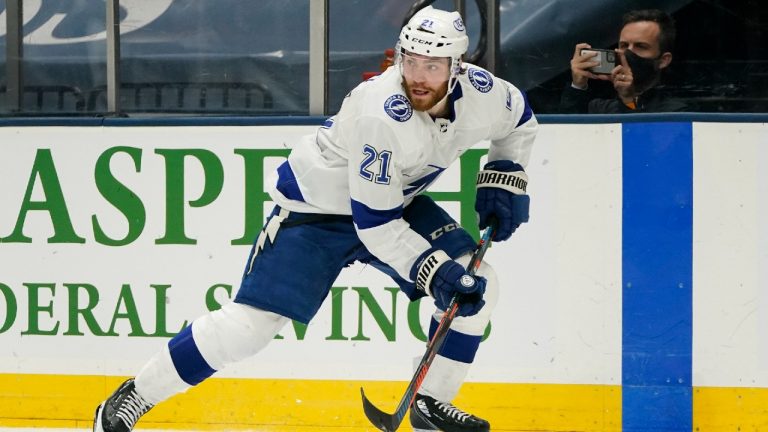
{"x": 621, "y": 76}
{"x": 440, "y": 277}
{"x": 501, "y": 195}
{"x": 580, "y": 64}
{"x": 450, "y": 279}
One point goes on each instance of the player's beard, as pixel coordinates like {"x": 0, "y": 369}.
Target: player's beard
{"x": 422, "y": 103}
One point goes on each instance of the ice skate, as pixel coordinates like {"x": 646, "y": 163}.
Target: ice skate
{"x": 428, "y": 415}
{"x": 121, "y": 411}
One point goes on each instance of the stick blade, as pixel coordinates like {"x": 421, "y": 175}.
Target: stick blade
{"x": 377, "y": 417}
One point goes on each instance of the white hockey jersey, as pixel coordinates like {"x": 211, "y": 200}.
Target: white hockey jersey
{"x": 377, "y": 153}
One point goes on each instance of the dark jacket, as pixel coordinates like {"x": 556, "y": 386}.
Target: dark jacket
{"x": 575, "y": 101}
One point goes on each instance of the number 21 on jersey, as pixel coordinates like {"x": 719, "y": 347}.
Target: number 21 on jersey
{"x": 375, "y": 165}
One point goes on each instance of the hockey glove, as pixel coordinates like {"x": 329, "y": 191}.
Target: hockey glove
{"x": 501, "y": 187}
{"x": 440, "y": 277}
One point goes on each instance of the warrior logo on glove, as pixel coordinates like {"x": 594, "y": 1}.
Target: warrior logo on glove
{"x": 514, "y": 182}
{"x": 501, "y": 195}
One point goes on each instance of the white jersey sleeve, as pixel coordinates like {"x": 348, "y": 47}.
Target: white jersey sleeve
{"x": 376, "y": 192}
{"x": 513, "y": 135}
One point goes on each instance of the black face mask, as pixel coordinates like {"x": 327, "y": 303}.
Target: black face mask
{"x": 645, "y": 72}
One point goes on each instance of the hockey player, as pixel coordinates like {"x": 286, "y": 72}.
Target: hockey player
{"x": 353, "y": 192}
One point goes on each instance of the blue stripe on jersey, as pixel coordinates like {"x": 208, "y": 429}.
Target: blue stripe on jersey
{"x": 187, "y": 360}
{"x": 366, "y": 217}
{"x": 287, "y": 184}
{"x": 457, "y": 346}
{"x": 527, "y": 111}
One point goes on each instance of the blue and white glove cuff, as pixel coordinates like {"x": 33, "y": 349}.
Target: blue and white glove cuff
{"x": 427, "y": 266}
{"x": 515, "y": 182}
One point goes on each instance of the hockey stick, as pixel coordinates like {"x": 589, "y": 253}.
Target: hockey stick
{"x": 390, "y": 422}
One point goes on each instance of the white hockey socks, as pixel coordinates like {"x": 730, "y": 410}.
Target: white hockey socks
{"x": 222, "y": 337}
{"x": 446, "y": 375}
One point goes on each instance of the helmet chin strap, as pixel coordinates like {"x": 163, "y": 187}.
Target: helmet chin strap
{"x": 440, "y": 107}
{"x": 454, "y": 78}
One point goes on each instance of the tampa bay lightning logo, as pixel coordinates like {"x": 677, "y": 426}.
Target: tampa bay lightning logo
{"x": 480, "y": 79}
{"x": 398, "y": 107}
{"x": 458, "y": 24}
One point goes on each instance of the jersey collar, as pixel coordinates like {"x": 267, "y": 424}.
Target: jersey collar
{"x": 455, "y": 95}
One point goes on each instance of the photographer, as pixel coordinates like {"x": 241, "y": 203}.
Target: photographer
{"x": 645, "y": 50}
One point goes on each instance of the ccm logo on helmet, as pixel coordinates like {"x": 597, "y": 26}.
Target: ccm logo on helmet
{"x": 421, "y": 41}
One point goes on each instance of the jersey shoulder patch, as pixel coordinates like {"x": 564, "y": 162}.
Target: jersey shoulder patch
{"x": 398, "y": 107}
{"x": 480, "y": 79}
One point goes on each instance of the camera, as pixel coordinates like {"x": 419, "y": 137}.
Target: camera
{"x": 607, "y": 59}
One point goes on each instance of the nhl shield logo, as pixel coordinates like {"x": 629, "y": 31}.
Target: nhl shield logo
{"x": 398, "y": 107}
{"x": 480, "y": 79}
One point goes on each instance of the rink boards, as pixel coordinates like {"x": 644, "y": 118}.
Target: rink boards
{"x": 634, "y": 299}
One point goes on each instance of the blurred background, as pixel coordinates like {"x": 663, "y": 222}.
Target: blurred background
{"x": 241, "y": 57}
